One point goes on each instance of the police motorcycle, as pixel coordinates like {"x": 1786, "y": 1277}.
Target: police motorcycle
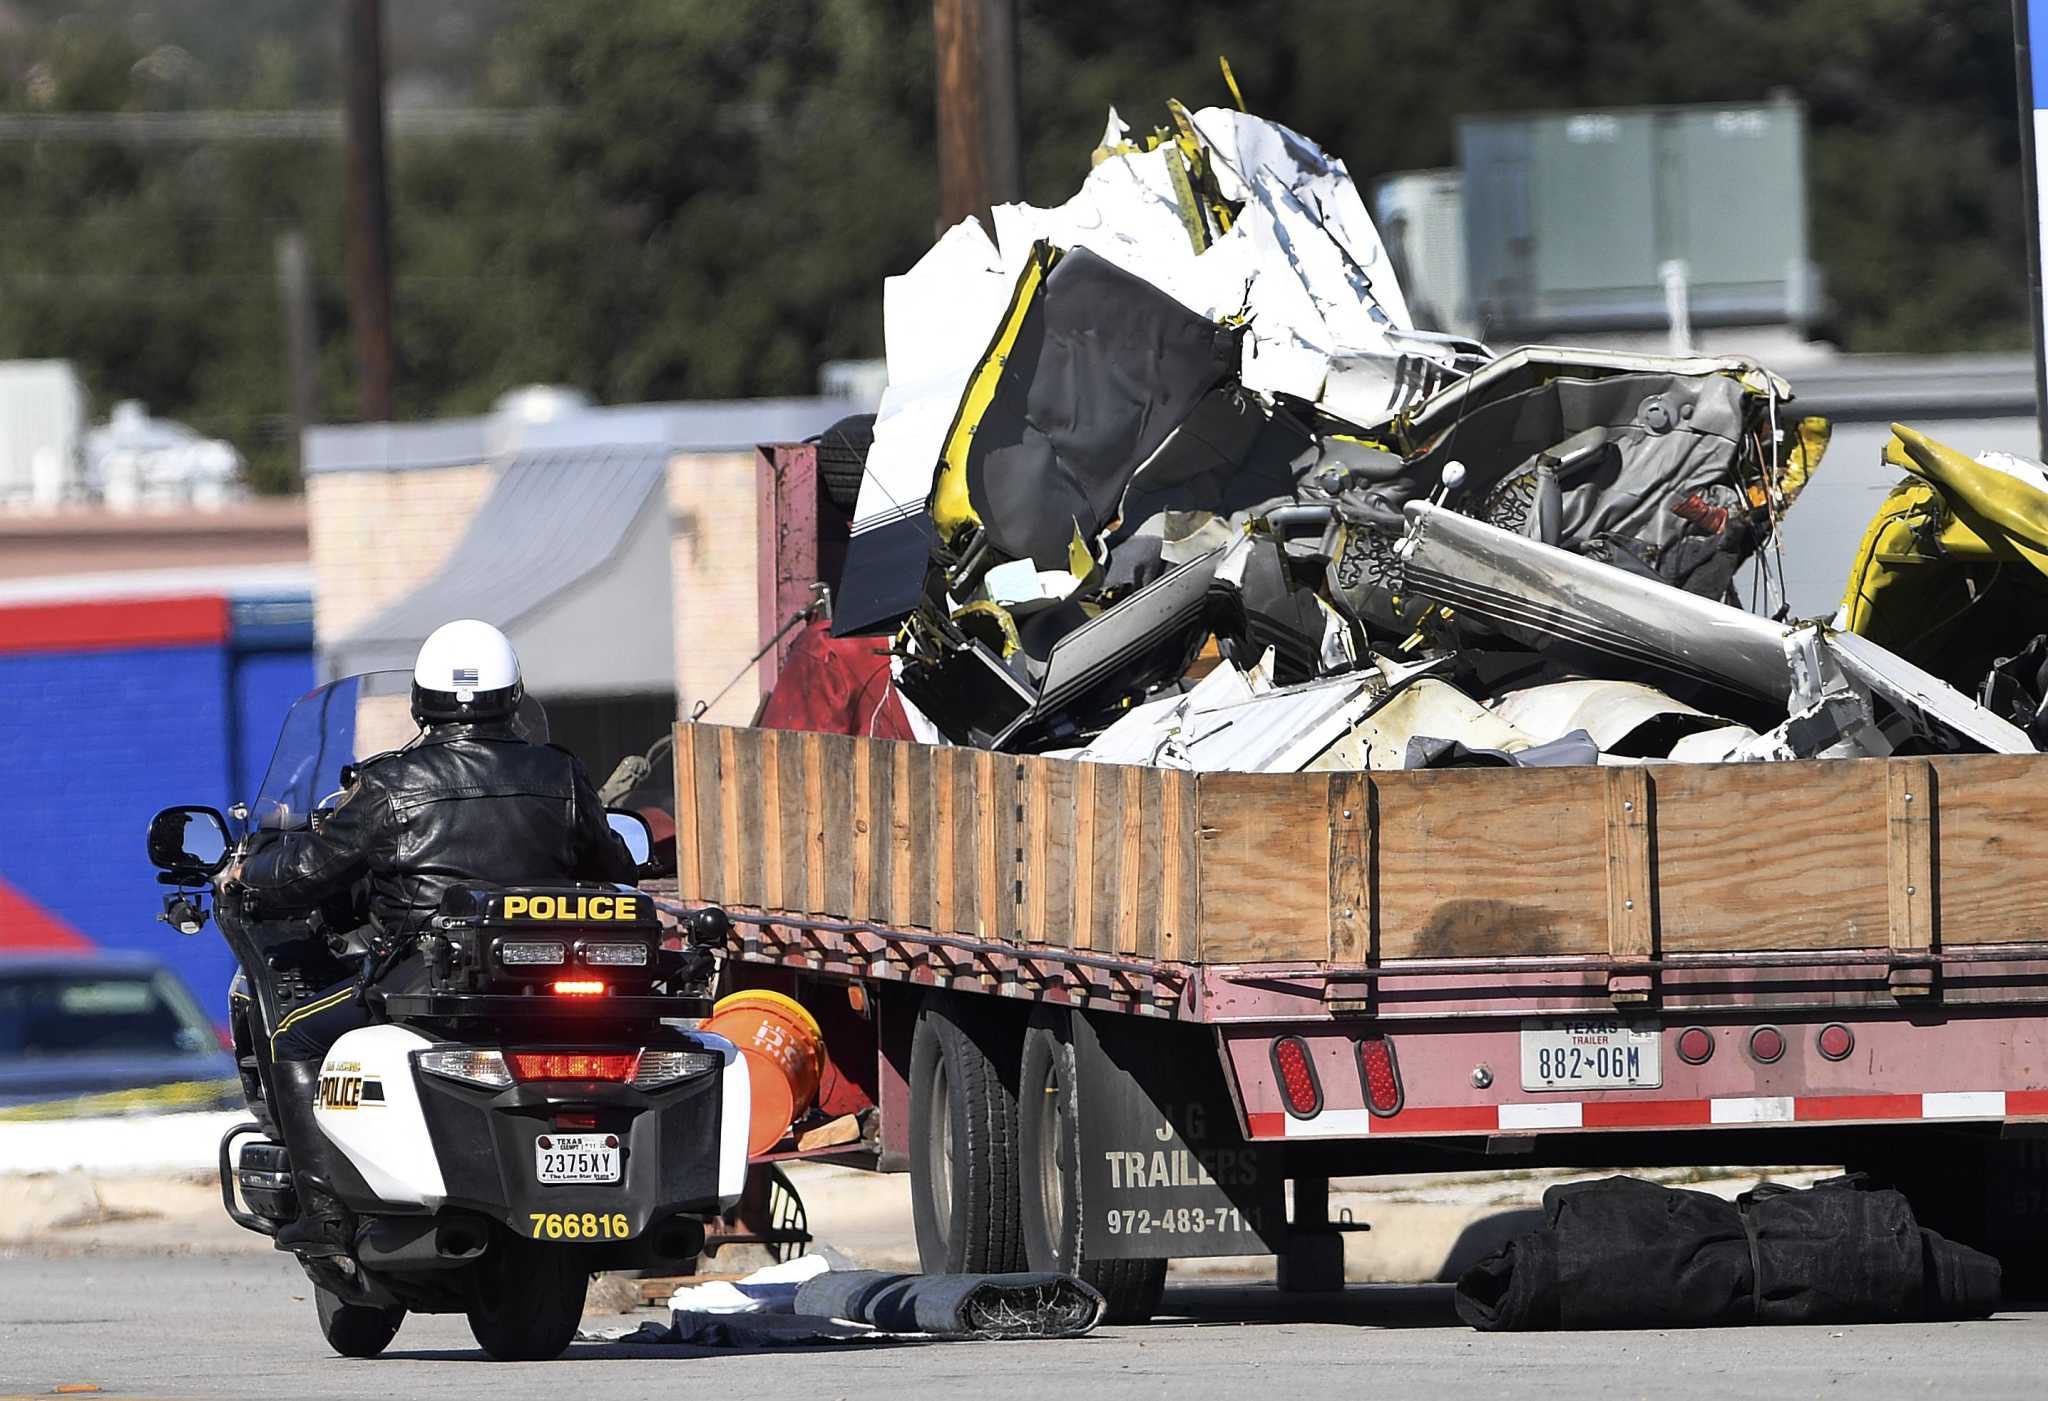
{"x": 537, "y": 1109}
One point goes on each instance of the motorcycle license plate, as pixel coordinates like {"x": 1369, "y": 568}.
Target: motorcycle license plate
{"x": 576, "y": 1157}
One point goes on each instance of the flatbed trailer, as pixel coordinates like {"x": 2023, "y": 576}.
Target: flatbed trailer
{"x": 1107, "y": 1016}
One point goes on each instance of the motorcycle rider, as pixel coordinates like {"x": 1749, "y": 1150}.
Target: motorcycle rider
{"x": 468, "y": 799}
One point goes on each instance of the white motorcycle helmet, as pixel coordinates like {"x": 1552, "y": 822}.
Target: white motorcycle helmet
{"x": 466, "y": 671}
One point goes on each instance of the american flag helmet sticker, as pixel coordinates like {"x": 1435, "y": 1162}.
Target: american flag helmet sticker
{"x": 465, "y": 678}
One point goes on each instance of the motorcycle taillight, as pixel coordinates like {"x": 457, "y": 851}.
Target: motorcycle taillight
{"x": 574, "y": 1065}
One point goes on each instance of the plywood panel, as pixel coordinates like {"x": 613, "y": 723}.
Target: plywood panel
{"x": 1144, "y": 861}
{"x": 739, "y": 773}
{"x": 1631, "y": 931}
{"x": 829, "y": 769}
{"x": 1082, "y": 864}
{"x": 1991, "y": 841}
{"x": 1909, "y": 840}
{"x": 914, "y": 808}
{"x": 902, "y": 847}
{"x": 1049, "y": 853}
{"x": 991, "y": 859}
{"x": 689, "y": 827}
{"x": 1772, "y": 856}
{"x": 870, "y": 853}
{"x": 1179, "y": 873}
{"x": 1137, "y": 814}
{"x": 1491, "y": 862}
{"x": 1263, "y": 853}
{"x": 1350, "y": 896}
{"x": 1105, "y": 854}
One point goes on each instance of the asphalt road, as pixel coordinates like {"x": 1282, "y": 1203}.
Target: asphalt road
{"x": 202, "y": 1326}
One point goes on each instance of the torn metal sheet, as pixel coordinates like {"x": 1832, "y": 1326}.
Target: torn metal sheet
{"x": 937, "y": 319}
{"x": 1278, "y": 732}
{"x": 1622, "y": 717}
{"x": 1148, "y": 638}
{"x": 1091, "y": 370}
{"x": 1425, "y": 708}
{"x": 1934, "y": 703}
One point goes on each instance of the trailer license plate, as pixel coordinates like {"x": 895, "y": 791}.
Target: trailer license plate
{"x": 576, "y": 1157}
{"x": 1591, "y": 1053}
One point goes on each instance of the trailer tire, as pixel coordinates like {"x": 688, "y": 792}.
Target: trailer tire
{"x": 963, "y": 1142}
{"x": 1055, "y": 1220}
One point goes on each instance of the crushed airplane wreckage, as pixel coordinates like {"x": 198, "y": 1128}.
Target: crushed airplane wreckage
{"x": 1166, "y": 476}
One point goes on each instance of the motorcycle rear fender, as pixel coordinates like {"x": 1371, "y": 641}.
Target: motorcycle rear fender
{"x": 368, "y": 1105}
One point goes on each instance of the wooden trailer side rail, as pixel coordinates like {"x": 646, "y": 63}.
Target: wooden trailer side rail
{"x": 1633, "y": 864}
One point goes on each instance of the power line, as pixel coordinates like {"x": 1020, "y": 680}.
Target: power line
{"x": 310, "y": 124}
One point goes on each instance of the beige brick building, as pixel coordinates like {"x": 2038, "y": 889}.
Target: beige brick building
{"x": 617, "y": 547}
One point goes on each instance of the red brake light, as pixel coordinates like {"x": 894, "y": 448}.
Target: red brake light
{"x": 580, "y": 987}
{"x": 1298, "y": 1085}
{"x": 1382, "y": 1075}
{"x": 574, "y": 1065}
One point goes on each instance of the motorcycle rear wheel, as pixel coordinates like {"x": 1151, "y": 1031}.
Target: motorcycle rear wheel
{"x": 529, "y": 1299}
{"x": 355, "y": 1330}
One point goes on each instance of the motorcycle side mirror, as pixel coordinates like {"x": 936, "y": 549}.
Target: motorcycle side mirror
{"x": 190, "y": 842}
{"x": 632, "y": 829}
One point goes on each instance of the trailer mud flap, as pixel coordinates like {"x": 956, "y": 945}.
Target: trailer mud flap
{"x": 1163, "y": 1169}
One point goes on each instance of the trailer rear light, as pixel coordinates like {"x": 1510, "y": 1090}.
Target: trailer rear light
{"x": 1381, "y": 1074}
{"x": 1767, "y": 1044}
{"x": 1695, "y": 1045}
{"x": 659, "y": 1068}
{"x": 1298, "y": 1087}
{"x": 1836, "y": 1041}
{"x": 610, "y": 955}
{"x": 579, "y": 987}
{"x": 485, "y": 1068}
{"x": 530, "y": 953}
{"x": 617, "y": 1066}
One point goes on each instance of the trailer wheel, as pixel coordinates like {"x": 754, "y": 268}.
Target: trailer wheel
{"x": 1055, "y": 1221}
{"x": 963, "y": 1142}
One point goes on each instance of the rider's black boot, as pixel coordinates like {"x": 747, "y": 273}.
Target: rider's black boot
{"x": 325, "y": 1226}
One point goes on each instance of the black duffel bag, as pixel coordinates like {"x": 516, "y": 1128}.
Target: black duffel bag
{"x": 1624, "y": 1253}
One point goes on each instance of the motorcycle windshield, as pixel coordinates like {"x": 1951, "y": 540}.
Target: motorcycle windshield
{"x": 344, "y": 723}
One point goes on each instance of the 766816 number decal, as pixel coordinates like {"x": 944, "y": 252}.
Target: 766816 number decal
{"x": 580, "y": 1225}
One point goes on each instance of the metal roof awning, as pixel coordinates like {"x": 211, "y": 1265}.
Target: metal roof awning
{"x": 569, "y": 557}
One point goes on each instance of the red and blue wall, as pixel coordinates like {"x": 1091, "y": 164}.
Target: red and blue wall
{"x": 109, "y": 710}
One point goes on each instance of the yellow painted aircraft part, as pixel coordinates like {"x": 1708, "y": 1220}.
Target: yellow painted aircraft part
{"x": 1808, "y": 441}
{"x": 952, "y": 510}
{"x": 1230, "y": 81}
{"x": 1950, "y": 512}
{"x": 1006, "y": 626}
{"x": 2007, "y": 517}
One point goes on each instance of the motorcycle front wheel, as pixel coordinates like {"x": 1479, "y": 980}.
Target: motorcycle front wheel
{"x": 355, "y": 1330}
{"x": 529, "y": 1299}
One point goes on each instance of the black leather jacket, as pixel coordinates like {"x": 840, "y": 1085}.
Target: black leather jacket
{"x": 465, "y": 802}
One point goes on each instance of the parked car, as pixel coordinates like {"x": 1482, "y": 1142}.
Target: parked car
{"x": 81, "y": 1024}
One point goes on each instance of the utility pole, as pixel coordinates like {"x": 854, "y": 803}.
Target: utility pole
{"x": 367, "y": 208}
{"x": 302, "y": 372}
{"x": 979, "y": 160}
